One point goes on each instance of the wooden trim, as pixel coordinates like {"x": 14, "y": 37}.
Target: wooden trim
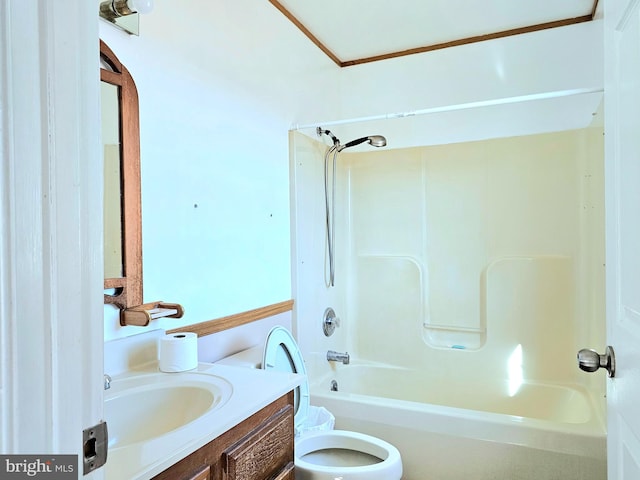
{"x": 306, "y": 31}
{"x": 430, "y": 48}
{"x": 108, "y": 56}
{"x": 131, "y": 190}
{"x": 114, "y": 282}
{"x": 469, "y": 40}
{"x": 231, "y": 321}
{"x": 111, "y": 77}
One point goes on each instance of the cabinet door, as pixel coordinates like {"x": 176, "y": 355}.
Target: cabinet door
{"x": 264, "y": 453}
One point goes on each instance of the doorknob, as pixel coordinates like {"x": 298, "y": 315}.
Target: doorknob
{"x": 590, "y": 360}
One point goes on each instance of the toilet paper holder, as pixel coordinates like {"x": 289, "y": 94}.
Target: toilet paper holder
{"x": 142, "y": 315}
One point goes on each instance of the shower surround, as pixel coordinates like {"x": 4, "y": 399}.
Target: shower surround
{"x": 478, "y": 266}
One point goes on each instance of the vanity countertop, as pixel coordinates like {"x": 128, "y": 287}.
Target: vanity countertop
{"x": 252, "y": 390}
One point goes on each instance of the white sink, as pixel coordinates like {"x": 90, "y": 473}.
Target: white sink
{"x": 155, "y": 419}
{"x": 150, "y": 406}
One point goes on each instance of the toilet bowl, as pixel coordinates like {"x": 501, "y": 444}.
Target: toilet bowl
{"x": 330, "y": 454}
{"x": 345, "y": 455}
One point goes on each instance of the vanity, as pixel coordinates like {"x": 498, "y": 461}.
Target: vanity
{"x": 258, "y": 448}
{"x": 216, "y": 422}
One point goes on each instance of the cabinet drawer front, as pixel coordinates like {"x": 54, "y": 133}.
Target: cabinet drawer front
{"x": 288, "y": 473}
{"x": 265, "y": 452}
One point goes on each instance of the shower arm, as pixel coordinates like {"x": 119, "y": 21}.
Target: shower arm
{"x": 320, "y": 131}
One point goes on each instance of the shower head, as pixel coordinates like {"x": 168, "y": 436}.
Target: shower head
{"x": 374, "y": 140}
{"x": 377, "y": 140}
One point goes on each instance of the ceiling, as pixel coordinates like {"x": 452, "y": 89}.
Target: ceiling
{"x": 352, "y": 32}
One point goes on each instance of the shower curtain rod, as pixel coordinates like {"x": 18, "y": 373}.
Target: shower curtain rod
{"x": 461, "y": 106}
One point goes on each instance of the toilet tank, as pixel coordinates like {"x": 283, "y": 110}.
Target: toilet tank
{"x": 249, "y": 358}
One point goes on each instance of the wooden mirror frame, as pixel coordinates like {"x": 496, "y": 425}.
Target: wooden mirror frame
{"x": 128, "y": 288}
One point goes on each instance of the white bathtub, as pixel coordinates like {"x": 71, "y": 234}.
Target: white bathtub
{"x": 448, "y": 431}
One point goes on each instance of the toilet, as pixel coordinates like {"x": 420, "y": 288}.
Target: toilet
{"x": 327, "y": 454}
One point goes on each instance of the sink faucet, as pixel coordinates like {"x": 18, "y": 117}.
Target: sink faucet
{"x": 338, "y": 357}
{"x": 107, "y": 382}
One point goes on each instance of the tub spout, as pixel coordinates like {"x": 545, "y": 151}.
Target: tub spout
{"x": 338, "y": 357}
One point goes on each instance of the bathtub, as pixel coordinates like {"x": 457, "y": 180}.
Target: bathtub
{"x": 471, "y": 430}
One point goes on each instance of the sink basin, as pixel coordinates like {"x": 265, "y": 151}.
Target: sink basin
{"x": 150, "y": 406}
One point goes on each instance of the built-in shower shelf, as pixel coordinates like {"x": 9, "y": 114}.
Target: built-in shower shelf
{"x": 454, "y": 336}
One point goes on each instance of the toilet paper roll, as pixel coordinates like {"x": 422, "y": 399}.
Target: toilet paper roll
{"x": 178, "y": 352}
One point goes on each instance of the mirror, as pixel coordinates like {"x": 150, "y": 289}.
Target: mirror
{"x": 110, "y": 105}
{"x": 122, "y": 198}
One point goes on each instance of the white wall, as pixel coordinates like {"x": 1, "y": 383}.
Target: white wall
{"x": 219, "y": 86}
{"x": 545, "y": 61}
{"x": 522, "y": 82}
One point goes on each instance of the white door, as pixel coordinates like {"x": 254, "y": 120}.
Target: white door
{"x": 622, "y": 186}
{"x": 51, "y": 313}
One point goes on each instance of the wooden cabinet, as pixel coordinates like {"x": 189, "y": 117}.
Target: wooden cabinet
{"x": 260, "y": 448}
{"x": 264, "y": 453}
{"x": 203, "y": 474}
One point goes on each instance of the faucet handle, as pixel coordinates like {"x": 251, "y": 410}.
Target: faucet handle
{"x": 330, "y": 322}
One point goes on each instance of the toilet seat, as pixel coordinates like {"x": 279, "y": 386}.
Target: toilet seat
{"x": 281, "y": 353}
